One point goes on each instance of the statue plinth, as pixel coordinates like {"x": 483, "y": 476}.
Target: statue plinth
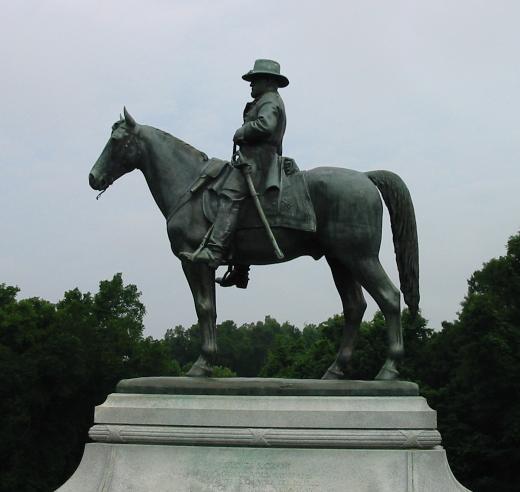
{"x": 266, "y": 435}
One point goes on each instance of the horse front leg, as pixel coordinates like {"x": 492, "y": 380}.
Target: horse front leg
{"x": 201, "y": 279}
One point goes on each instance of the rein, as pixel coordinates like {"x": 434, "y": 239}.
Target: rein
{"x": 200, "y": 182}
{"x": 183, "y": 200}
{"x": 102, "y": 191}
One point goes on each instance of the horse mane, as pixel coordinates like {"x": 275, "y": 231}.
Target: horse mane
{"x": 178, "y": 142}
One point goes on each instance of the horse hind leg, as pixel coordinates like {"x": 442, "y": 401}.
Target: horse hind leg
{"x": 375, "y": 280}
{"x": 354, "y": 306}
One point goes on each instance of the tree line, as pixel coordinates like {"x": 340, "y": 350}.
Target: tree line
{"x": 59, "y": 360}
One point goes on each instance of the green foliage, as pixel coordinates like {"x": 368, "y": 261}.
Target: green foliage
{"x": 57, "y": 362}
{"x": 471, "y": 375}
{"x": 242, "y": 349}
{"x": 370, "y": 349}
{"x": 222, "y": 372}
{"x": 7, "y": 294}
{"x": 183, "y": 345}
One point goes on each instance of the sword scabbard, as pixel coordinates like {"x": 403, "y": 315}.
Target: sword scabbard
{"x": 254, "y": 195}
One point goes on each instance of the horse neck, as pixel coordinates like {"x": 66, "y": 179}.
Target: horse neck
{"x": 170, "y": 166}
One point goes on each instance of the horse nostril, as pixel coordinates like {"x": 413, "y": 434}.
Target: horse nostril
{"x": 92, "y": 181}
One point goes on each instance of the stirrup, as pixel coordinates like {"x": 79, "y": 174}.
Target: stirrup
{"x": 233, "y": 278}
{"x": 222, "y": 280}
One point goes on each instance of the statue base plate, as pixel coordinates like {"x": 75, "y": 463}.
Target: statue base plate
{"x": 265, "y": 386}
{"x": 262, "y": 440}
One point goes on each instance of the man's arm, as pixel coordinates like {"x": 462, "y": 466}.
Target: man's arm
{"x": 260, "y": 128}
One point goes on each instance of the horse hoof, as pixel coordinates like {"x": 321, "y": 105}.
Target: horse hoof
{"x": 387, "y": 374}
{"x": 333, "y": 374}
{"x": 199, "y": 370}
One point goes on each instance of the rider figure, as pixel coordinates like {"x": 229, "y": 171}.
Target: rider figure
{"x": 260, "y": 140}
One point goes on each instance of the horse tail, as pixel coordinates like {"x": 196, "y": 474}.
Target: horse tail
{"x": 404, "y": 229}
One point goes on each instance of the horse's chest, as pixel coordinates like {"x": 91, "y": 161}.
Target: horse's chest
{"x": 187, "y": 227}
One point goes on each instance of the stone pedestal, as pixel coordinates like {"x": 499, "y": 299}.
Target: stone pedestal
{"x": 183, "y": 434}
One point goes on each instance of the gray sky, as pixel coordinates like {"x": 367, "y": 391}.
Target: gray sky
{"x": 427, "y": 89}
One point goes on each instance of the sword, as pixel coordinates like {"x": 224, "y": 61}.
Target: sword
{"x": 246, "y": 171}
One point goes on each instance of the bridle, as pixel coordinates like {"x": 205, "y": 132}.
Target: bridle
{"x": 132, "y": 138}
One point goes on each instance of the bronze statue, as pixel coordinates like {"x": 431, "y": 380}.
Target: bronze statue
{"x": 327, "y": 211}
{"x": 260, "y": 139}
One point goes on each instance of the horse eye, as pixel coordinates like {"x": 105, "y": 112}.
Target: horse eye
{"x": 117, "y": 134}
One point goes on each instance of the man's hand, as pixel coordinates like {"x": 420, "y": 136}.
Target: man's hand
{"x": 238, "y": 138}
{"x": 289, "y": 166}
{"x": 239, "y": 162}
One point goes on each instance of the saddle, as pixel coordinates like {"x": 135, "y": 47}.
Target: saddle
{"x": 289, "y": 207}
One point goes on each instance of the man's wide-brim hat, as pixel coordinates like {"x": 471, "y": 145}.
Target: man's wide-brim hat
{"x": 268, "y": 68}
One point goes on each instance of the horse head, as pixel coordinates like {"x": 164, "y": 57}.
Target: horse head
{"x": 120, "y": 155}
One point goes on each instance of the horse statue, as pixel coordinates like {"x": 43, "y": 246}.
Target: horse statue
{"x": 348, "y": 210}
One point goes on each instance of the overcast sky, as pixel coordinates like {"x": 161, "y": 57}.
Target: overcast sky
{"x": 427, "y": 89}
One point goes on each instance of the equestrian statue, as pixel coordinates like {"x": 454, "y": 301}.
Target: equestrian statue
{"x": 258, "y": 208}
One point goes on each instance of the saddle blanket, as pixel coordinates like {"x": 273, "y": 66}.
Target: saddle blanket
{"x": 290, "y": 207}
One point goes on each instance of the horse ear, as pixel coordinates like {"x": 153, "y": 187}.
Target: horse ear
{"x": 128, "y": 118}
{"x": 120, "y": 118}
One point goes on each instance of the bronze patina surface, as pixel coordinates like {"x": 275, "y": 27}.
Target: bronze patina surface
{"x": 348, "y": 213}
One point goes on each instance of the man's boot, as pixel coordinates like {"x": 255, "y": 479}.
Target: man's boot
{"x": 214, "y": 252}
{"x": 237, "y": 275}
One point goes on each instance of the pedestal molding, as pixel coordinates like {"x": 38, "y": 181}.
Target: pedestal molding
{"x": 268, "y": 437}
